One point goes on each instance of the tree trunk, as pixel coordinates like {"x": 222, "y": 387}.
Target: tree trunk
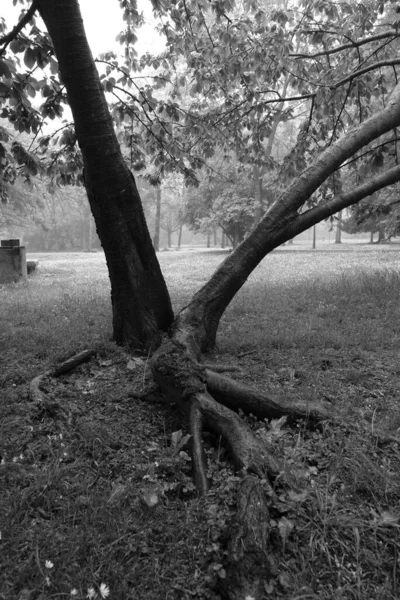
{"x": 156, "y": 238}
{"x": 338, "y": 234}
{"x": 180, "y": 237}
{"x": 371, "y": 238}
{"x": 140, "y": 300}
{"x": 169, "y": 238}
{"x": 90, "y": 232}
{"x": 215, "y": 235}
{"x": 314, "y": 237}
{"x": 223, "y": 239}
{"x": 208, "y": 239}
{"x": 381, "y": 234}
{"x": 141, "y": 303}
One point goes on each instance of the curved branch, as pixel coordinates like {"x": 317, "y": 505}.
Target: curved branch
{"x": 377, "y": 65}
{"x": 393, "y": 34}
{"x": 204, "y": 312}
{"x": 331, "y": 207}
{"x": 9, "y": 37}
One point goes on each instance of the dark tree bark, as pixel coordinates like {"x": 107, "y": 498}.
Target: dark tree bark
{"x": 156, "y": 238}
{"x": 140, "y": 299}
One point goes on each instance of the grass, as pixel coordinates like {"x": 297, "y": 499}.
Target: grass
{"x": 99, "y": 490}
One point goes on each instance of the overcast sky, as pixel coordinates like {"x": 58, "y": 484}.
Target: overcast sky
{"x": 103, "y": 21}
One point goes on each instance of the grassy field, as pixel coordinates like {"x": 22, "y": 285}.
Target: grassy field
{"x": 96, "y": 498}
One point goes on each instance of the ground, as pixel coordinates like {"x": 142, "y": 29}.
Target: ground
{"x": 95, "y": 485}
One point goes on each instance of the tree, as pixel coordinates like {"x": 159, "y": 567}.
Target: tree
{"x": 225, "y": 198}
{"x": 141, "y": 306}
{"x": 381, "y": 214}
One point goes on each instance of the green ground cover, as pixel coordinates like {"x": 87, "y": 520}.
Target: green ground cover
{"x": 96, "y": 498}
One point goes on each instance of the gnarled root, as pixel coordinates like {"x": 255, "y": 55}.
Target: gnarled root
{"x": 249, "y": 565}
{"x": 199, "y": 461}
{"x": 248, "y": 453}
{"x": 264, "y": 406}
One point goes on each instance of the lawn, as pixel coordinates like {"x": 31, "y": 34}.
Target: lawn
{"x": 95, "y": 487}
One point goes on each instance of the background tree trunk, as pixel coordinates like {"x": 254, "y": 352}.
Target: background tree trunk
{"x": 140, "y": 300}
{"x": 338, "y": 234}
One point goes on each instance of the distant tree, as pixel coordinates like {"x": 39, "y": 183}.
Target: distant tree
{"x": 380, "y": 214}
{"x": 225, "y": 198}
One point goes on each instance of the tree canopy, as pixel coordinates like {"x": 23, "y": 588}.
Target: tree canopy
{"x": 232, "y": 76}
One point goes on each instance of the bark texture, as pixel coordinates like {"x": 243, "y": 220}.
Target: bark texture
{"x": 250, "y": 563}
{"x": 140, "y": 299}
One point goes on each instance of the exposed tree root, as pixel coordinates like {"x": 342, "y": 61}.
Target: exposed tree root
{"x": 237, "y": 396}
{"x": 223, "y": 368}
{"x": 248, "y": 453}
{"x": 249, "y": 563}
{"x": 212, "y": 401}
{"x": 199, "y": 461}
{"x": 36, "y": 394}
{"x": 73, "y": 362}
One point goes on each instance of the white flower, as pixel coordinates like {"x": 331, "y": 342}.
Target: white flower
{"x": 49, "y": 564}
{"x": 74, "y": 592}
{"x": 104, "y": 590}
{"x": 90, "y": 593}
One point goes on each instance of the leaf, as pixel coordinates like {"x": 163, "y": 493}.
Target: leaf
{"x": 285, "y": 527}
{"x": 178, "y": 441}
{"x": 150, "y": 499}
{"x": 297, "y": 496}
{"x": 4, "y": 70}
{"x": 117, "y": 493}
{"x": 134, "y": 363}
{"x": 29, "y": 58}
{"x": 284, "y": 579}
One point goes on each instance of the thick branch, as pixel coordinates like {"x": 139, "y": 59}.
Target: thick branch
{"x": 9, "y": 37}
{"x": 331, "y": 207}
{"x": 205, "y": 310}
